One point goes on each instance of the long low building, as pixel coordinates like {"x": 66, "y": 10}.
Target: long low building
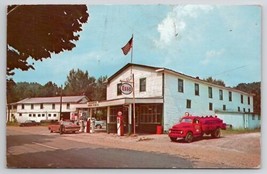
{"x": 47, "y": 108}
{"x": 160, "y": 97}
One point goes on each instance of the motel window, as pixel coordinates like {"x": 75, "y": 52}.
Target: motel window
{"x": 241, "y": 98}
{"x": 224, "y": 107}
{"x": 142, "y": 85}
{"x": 238, "y": 109}
{"x": 30, "y": 115}
{"x": 43, "y": 115}
{"x": 20, "y": 114}
{"x": 53, "y": 105}
{"x": 196, "y": 89}
{"x": 210, "y": 92}
{"x": 39, "y": 115}
{"x": 210, "y": 106}
{"x": 22, "y": 106}
{"x": 230, "y": 96}
{"x": 41, "y": 106}
{"x": 253, "y": 117}
{"x": 49, "y": 115}
{"x": 55, "y": 115}
{"x": 249, "y": 110}
{"x": 248, "y": 100}
{"x": 34, "y": 115}
{"x": 119, "y": 89}
{"x": 188, "y": 104}
{"x": 32, "y": 106}
{"x": 180, "y": 85}
{"x": 221, "y": 94}
{"x": 244, "y": 109}
{"x": 68, "y": 106}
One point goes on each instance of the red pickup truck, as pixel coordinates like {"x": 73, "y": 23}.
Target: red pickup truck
{"x": 191, "y": 127}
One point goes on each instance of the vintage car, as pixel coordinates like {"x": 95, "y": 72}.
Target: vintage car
{"x": 68, "y": 127}
{"x": 29, "y": 123}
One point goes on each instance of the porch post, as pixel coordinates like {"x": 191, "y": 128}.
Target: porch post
{"x": 130, "y": 119}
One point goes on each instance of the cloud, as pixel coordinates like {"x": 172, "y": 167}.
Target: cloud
{"x": 211, "y": 55}
{"x": 175, "y": 22}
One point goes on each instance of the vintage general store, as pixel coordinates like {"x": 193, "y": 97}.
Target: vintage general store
{"x": 161, "y": 97}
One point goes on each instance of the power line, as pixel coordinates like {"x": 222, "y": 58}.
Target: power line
{"x": 234, "y": 69}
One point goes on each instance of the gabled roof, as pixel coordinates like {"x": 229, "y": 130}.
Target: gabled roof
{"x": 166, "y": 70}
{"x": 65, "y": 99}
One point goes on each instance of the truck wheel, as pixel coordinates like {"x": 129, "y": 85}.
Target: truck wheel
{"x": 189, "y": 137}
{"x": 216, "y": 133}
{"x": 173, "y": 139}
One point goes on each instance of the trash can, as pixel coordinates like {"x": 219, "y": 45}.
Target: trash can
{"x": 159, "y": 129}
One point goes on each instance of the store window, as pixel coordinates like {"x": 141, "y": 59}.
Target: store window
{"x": 221, "y": 94}
{"x": 196, "y": 89}
{"x": 180, "y": 85}
{"x": 210, "y": 92}
{"x": 150, "y": 113}
{"x": 188, "y": 104}
{"x": 142, "y": 84}
{"x": 119, "y": 89}
{"x": 210, "y": 106}
{"x": 230, "y": 96}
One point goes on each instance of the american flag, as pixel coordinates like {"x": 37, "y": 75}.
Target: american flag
{"x": 127, "y": 47}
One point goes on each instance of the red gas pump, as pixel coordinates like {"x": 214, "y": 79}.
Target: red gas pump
{"x": 88, "y": 126}
{"x": 120, "y": 124}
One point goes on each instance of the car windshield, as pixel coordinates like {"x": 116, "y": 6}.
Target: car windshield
{"x": 186, "y": 120}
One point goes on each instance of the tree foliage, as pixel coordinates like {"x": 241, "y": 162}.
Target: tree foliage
{"x": 214, "y": 81}
{"x": 36, "y": 31}
{"x": 254, "y": 88}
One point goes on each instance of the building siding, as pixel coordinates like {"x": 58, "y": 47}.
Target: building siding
{"x": 153, "y": 83}
{"x": 175, "y": 102}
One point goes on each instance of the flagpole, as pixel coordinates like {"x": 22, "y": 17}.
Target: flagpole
{"x": 133, "y": 88}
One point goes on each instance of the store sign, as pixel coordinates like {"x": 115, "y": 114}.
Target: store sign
{"x": 126, "y": 88}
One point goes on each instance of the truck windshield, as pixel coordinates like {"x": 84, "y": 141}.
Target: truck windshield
{"x": 186, "y": 120}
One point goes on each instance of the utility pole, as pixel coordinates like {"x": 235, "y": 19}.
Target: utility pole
{"x": 60, "y": 105}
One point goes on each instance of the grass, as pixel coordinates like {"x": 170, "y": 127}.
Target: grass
{"x": 240, "y": 131}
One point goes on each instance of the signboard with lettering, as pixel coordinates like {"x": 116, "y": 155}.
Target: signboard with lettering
{"x": 126, "y": 88}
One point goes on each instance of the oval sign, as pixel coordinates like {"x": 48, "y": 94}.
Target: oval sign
{"x": 126, "y": 88}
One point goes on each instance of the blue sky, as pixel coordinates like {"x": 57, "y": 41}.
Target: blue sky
{"x": 198, "y": 40}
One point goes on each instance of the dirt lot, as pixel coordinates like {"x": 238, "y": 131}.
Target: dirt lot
{"x": 229, "y": 151}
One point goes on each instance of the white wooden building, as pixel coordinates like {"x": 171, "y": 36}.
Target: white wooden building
{"x": 47, "y": 108}
{"x": 162, "y": 96}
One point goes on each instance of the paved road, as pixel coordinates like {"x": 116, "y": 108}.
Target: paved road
{"x": 43, "y": 150}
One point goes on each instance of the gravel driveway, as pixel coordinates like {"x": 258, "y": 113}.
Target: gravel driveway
{"x": 229, "y": 151}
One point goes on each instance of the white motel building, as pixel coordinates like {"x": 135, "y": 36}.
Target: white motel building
{"x": 161, "y": 97}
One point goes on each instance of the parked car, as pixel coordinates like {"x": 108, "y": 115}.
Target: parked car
{"x": 68, "y": 127}
{"x": 29, "y": 123}
{"x": 99, "y": 124}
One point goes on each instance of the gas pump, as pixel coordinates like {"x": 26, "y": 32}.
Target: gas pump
{"x": 92, "y": 126}
{"x": 120, "y": 124}
{"x": 88, "y": 125}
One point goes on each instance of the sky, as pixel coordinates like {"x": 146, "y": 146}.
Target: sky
{"x": 223, "y": 42}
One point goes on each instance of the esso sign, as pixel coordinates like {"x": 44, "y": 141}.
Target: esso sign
{"x": 126, "y": 88}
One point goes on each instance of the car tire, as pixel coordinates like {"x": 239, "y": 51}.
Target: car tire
{"x": 189, "y": 137}
{"x": 216, "y": 133}
{"x": 173, "y": 139}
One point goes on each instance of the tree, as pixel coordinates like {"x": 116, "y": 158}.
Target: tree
{"x": 50, "y": 89}
{"x": 79, "y": 83}
{"x": 100, "y": 89}
{"x": 36, "y": 31}
{"x": 254, "y": 88}
{"x": 214, "y": 81}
